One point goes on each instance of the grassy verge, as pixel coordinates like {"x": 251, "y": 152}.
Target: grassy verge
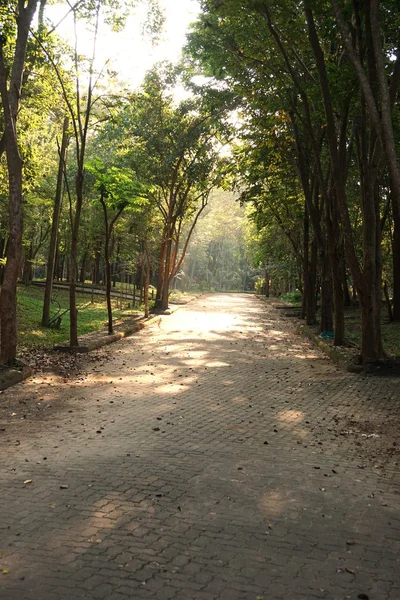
{"x": 91, "y": 317}
{"x": 390, "y": 331}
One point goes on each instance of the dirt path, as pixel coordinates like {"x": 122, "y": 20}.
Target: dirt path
{"x": 217, "y": 455}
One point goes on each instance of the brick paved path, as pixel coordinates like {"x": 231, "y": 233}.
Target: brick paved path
{"x": 216, "y": 455}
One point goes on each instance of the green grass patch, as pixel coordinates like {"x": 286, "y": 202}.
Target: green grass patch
{"x": 91, "y": 317}
{"x": 292, "y": 298}
{"x": 390, "y": 331}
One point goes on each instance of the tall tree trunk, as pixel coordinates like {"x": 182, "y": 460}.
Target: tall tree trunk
{"x": 161, "y": 271}
{"x": 73, "y": 311}
{"x": 364, "y": 279}
{"x": 266, "y": 286}
{"x": 335, "y": 262}
{"x": 3, "y": 254}
{"x": 326, "y": 318}
{"x": 54, "y": 227}
{"x": 27, "y": 268}
{"x": 146, "y": 281}
{"x": 396, "y": 266}
{"x": 8, "y": 304}
{"x": 108, "y": 228}
{"x": 82, "y": 275}
{"x": 311, "y": 277}
{"x": 97, "y": 266}
{"x": 345, "y": 285}
{"x": 10, "y": 98}
{"x": 167, "y": 271}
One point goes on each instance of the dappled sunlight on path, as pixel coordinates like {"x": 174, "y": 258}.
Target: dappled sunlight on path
{"x": 203, "y": 458}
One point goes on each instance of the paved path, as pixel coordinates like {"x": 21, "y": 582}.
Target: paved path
{"x": 216, "y": 455}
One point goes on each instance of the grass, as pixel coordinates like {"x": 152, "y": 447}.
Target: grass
{"x": 390, "y": 331}
{"x": 91, "y": 317}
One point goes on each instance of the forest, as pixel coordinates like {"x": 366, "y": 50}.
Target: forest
{"x": 275, "y": 171}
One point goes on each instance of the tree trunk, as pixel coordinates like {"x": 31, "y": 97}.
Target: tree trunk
{"x": 266, "y": 287}
{"x": 396, "y": 267}
{"x": 326, "y": 319}
{"x": 311, "y": 294}
{"x": 97, "y": 276}
{"x": 27, "y": 268}
{"x": 371, "y": 345}
{"x": 108, "y": 292}
{"x": 73, "y": 311}
{"x": 335, "y": 262}
{"x": 60, "y": 269}
{"x": 82, "y": 275}
{"x": 161, "y": 271}
{"x": 3, "y": 254}
{"x": 366, "y": 280}
{"x": 8, "y": 295}
{"x": 8, "y": 304}
{"x": 10, "y": 98}
{"x": 346, "y": 291}
{"x": 167, "y": 270}
{"x": 54, "y": 227}
{"x": 146, "y": 282}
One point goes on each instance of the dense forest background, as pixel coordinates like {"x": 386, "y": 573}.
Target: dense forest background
{"x": 266, "y": 159}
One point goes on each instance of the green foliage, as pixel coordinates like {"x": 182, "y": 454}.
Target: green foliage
{"x": 116, "y": 185}
{"x": 293, "y": 298}
{"x": 217, "y": 258}
{"x": 30, "y": 306}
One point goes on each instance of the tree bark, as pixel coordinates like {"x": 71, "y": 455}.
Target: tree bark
{"x": 167, "y": 271}
{"x": 10, "y": 97}
{"x": 73, "y": 271}
{"x": 266, "y": 287}
{"x": 365, "y": 280}
{"x": 27, "y": 268}
{"x": 396, "y": 267}
{"x": 311, "y": 276}
{"x": 146, "y": 281}
{"x": 54, "y": 226}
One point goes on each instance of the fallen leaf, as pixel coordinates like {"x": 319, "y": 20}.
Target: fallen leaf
{"x": 351, "y": 571}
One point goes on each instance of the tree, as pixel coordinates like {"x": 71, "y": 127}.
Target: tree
{"x": 13, "y": 49}
{"x": 55, "y": 223}
{"x": 273, "y": 63}
{"x": 175, "y": 150}
{"x": 116, "y": 191}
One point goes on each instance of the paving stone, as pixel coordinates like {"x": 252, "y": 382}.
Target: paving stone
{"x": 180, "y": 497}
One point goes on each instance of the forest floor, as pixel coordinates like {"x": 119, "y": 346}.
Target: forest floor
{"x": 352, "y": 316}
{"x": 214, "y": 455}
{"x": 91, "y": 316}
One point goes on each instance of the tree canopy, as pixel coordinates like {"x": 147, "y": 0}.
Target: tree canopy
{"x": 290, "y": 110}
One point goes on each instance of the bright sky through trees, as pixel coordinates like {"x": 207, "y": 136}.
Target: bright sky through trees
{"x": 130, "y": 53}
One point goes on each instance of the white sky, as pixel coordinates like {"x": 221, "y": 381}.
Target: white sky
{"x": 129, "y": 52}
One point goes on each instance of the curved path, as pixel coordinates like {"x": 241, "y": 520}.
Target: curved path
{"x": 215, "y": 456}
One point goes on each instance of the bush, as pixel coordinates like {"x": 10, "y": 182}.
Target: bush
{"x": 292, "y": 297}
{"x": 259, "y": 285}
